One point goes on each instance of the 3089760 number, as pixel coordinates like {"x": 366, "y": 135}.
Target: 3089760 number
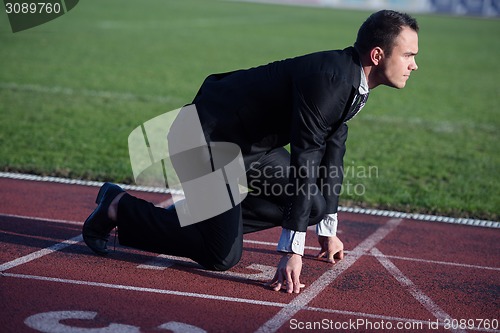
{"x": 32, "y": 8}
{"x": 471, "y": 324}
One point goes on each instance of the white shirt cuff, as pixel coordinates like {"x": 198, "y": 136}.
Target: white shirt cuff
{"x": 292, "y": 241}
{"x": 327, "y": 226}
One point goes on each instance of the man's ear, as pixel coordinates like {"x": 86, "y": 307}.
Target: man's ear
{"x": 376, "y": 55}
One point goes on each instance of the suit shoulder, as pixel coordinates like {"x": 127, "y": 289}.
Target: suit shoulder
{"x": 340, "y": 56}
{"x": 338, "y": 65}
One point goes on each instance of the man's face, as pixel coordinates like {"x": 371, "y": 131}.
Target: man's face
{"x": 395, "y": 70}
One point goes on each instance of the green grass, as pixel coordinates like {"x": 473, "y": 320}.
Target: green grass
{"x": 73, "y": 89}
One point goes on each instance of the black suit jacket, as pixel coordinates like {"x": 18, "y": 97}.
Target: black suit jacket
{"x": 301, "y": 101}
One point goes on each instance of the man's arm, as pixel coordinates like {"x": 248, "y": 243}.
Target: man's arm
{"x": 332, "y": 168}
{"x": 294, "y": 241}
{"x": 331, "y": 185}
{"x": 328, "y": 226}
{"x": 291, "y": 244}
{"x": 288, "y": 274}
{"x": 318, "y": 105}
{"x": 331, "y": 246}
{"x": 331, "y": 179}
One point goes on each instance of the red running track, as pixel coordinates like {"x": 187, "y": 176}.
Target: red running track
{"x": 398, "y": 274}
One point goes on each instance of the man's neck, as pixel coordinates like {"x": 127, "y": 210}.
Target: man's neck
{"x": 369, "y": 70}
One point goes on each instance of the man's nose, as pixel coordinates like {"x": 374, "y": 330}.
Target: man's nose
{"x": 414, "y": 66}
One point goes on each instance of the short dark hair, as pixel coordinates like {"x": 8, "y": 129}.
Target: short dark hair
{"x": 381, "y": 29}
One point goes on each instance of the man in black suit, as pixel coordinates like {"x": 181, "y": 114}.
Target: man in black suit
{"x": 303, "y": 101}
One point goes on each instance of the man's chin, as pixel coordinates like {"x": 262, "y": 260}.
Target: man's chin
{"x": 399, "y": 85}
{"x": 396, "y": 85}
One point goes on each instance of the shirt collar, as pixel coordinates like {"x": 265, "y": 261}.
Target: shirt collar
{"x": 363, "y": 86}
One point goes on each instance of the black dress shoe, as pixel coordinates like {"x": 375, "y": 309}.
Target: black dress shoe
{"x": 98, "y": 225}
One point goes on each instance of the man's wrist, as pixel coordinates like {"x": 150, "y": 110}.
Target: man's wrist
{"x": 328, "y": 226}
{"x": 292, "y": 241}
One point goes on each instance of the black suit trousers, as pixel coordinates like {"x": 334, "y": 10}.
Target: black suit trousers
{"x": 216, "y": 243}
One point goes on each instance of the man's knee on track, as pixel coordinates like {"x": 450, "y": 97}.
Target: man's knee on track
{"x": 224, "y": 264}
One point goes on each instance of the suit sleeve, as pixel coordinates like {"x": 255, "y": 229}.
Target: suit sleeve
{"x": 318, "y": 103}
{"x": 332, "y": 168}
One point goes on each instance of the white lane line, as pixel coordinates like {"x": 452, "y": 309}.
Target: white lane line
{"x": 306, "y": 296}
{"x": 425, "y": 261}
{"x": 40, "y": 253}
{"x": 437, "y": 262}
{"x": 145, "y": 289}
{"x": 217, "y": 298}
{"x": 355, "y": 254}
{"x": 418, "y": 294}
{"x": 274, "y": 245}
{"x": 250, "y": 241}
{"x": 43, "y": 219}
